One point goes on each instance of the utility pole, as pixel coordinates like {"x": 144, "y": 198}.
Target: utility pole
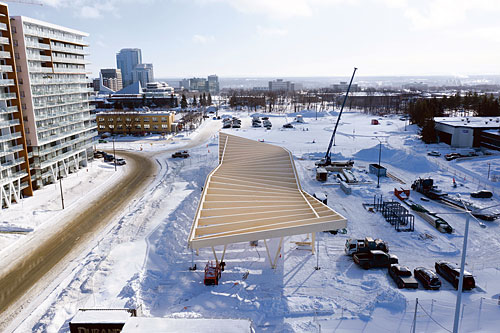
{"x": 114, "y": 152}
{"x": 317, "y": 254}
{"x": 60, "y": 186}
{"x": 379, "y": 166}
{"x": 415, "y": 316}
{"x": 489, "y": 165}
{"x": 461, "y": 279}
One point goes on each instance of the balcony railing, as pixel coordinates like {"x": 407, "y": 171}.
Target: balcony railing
{"x": 59, "y": 92}
{"x": 35, "y": 45}
{"x": 5, "y": 54}
{"x": 6, "y": 68}
{"x": 7, "y": 96}
{"x": 4, "y": 41}
{"x": 53, "y": 35}
{"x": 69, "y": 60}
{"x": 9, "y": 123}
{"x": 69, "y": 70}
{"x": 8, "y": 137}
{"x": 6, "y": 82}
{"x": 41, "y": 152}
{"x": 38, "y": 57}
{"x": 69, "y": 50}
{"x": 11, "y": 150}
{"x": 11, "y": 163}
{"x": 43, "y": 141}
{"x": 3, "y": 26}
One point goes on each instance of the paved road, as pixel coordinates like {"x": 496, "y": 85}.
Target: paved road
{"x": 20, "y": 279}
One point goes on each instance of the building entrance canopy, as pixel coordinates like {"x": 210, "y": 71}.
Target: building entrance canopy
{"x": 253, "y": 194}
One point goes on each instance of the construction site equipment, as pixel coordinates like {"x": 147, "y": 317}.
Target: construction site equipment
{"x": 345, "y": 187}
{"x": 327, "y": 159}
{"x": 212, "y": 274}
{"x": 427, "y": 188}
{"x": 321, "y": 174}
{"x": 437, "y": 222}
{"x": 378, "y": 170}
{"x": 395, "y": 214}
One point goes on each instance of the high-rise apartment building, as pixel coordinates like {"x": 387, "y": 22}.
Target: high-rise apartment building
{"x": 126, "y": 60}
{"x": 213, "y": 84}
{"x": 143, "y": 73}
{"x": 60, "y": 129}
{"x": 14, "y": 163}
{"x": 280, "y": 85}
{"x": 112, "y": 78}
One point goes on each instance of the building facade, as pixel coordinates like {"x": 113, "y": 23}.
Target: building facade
{"x": 464, "y": 132}
{"x": 280, "y": 85}
{"x": 143, "y": 73}
{"x": 134, "y": 122}
{"x": 126, "y": 60}
{"x": 51, "y": 68}
{"x": 112, "y": 78}
{"x": 14, "y": 160}
{"x": 213, "y": 84}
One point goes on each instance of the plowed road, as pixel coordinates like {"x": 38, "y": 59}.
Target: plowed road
{"x": 22, "y": 277}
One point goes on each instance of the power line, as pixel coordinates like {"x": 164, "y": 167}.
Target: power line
{"x": 434, "y": 320}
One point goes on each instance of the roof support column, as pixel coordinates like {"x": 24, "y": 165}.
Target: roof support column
{"x": 278, "y": 251}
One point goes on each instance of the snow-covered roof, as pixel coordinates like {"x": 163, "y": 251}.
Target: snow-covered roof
{"x": 133, "y": 89}
{"x": 254, "y": 193}
{"x": 166, "y": 325}
{"x": 473, "y": 122}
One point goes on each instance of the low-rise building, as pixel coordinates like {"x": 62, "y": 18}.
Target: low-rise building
{"x": 464, "y": 132}
{"x": 280, "y": 85}
{"x": 135, "y": 122}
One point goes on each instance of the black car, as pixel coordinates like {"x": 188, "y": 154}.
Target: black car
{"x": 288, "y": 125}
{"x": 451, "y": 273}
{"x": 183, "y": 154}
{"x": 427, "y": 277}
{"x": 108, "y": 157}
{"x": 402, "y": 276}
{"x": 482, "y": 194}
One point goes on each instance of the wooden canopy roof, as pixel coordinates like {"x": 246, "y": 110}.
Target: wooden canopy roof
{"x": 254, "y": 193}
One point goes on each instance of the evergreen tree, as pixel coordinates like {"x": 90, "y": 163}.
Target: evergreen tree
{"x": 195, "y": 103}
{"x": 184, "y": 103}
{"x": 428, "y": 133}
{"x": 203, "y": 100}
{"x": 209, "y": 99}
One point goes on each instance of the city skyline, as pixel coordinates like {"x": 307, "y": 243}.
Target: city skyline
{"x": 306, "y": 38}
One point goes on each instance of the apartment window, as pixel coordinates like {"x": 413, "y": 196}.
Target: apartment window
{"x": 23, "y": 106}
{"x": 128, "y": 119}
{"x": 155, "y": 119}
{"x": 138, "y": 126}
{"x": 164, "y": 126}
{"x": 22, "y": 93}
{"x": 102, "y": 119}
{"x": 111, "y": 126}
{"x": 137, "y": 119}
{"x": 18, "y": 69}
{"x": 102, "y": 126}
{"x": 146, "y": 126}
{"x": 155, "y": 127}
{"x": 163, "y": 118}
{"x": 119, "y": 126}
{"x": 13, "y": 29}
{"x": 146, "y": 119}
{"x": 15, "y": 42}
{"x": 17, "y": 56}
{"x": 118, "y": 119}
{"x": 20, "y": 81}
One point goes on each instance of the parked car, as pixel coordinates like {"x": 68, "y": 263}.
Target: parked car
{"x": 452, "y": 156}
{"x": 402, "y": 276}
{"x": 427, "y": 277}
{"x": 374, "y": 258}
{"x": 481, "y": 194}
{"x": 451, "y": 273}
{"x": 183, "y": 154}
{"x": 120, "y": 161}
{"x": 434, "y": 153}
{"x": 288, "y": 125}
{"x": 98, "y": 154}
{"x": 108, "y": 157}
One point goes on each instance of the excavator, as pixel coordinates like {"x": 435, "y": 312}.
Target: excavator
{"x": 327, "y": 161}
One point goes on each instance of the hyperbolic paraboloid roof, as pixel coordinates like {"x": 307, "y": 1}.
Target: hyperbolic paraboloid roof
{"x": 254, "y": 193}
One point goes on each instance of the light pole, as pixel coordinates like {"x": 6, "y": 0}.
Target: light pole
{"x": 489, "y": 165}
{"x": 114, "y": 152}
{"x": 461, "y": 278}
{"x": 379, "y": 166}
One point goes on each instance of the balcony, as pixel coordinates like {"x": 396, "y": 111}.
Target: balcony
{"x": 91, "y": 129}
{"x": 39, "y": 57}
{"x": 5, "y": 54}
{"x": 42, "y": 116}
{"x": 4, "y": 41}
{"x": 12, "y": 163}
{"x": 15, "y": 176}
{"x": 5, "y": 68}
{"x": 8, "y": 137}
{"x": 69, "y": 50}
{"x": 11, "y": 150}
{"x": 7, "y": 96}
{"x": 6, "y": 82}
{"x": 3, "y": 26}
{"x": 69, "y": 60}
{"x": 9, "y": 123}
{"x": 70, "y": 70}
{"x": 36, "y": 69}
{"x": 61, "y": 92}
{"x": 34, "y": 45}
{"x": 55, "y": 36}
{"x": 41, "y": 152}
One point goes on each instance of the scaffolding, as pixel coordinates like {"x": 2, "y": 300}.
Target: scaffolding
{"x": 395, "y": 214}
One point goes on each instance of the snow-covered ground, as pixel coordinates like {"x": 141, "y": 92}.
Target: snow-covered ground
{"x": 142, "y": 261}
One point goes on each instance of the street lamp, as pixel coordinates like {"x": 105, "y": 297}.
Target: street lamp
{"x": 489, "y": 165}
{"x": 379, "y": 166}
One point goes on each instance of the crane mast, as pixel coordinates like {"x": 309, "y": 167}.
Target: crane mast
{"x": 327, "y": 159}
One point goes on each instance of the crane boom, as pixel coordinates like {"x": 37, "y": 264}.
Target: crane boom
{"x": 327, "y": 155}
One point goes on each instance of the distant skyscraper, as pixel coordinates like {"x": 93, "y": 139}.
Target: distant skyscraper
{"x": 126, "y": 60}
{"x": 213, "y": 84}
{"x": 143, "y": 73}
{"x": 112, "y": 78}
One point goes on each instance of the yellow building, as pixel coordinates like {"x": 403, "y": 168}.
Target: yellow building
{"x": 136, "y": 122}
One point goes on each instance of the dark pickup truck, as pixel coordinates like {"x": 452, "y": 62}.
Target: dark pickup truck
{"x": 374, "y": 258}
{"x": 402, "y": 276}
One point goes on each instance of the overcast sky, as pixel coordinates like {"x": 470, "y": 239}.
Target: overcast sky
{"x": 184, "y": 38}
